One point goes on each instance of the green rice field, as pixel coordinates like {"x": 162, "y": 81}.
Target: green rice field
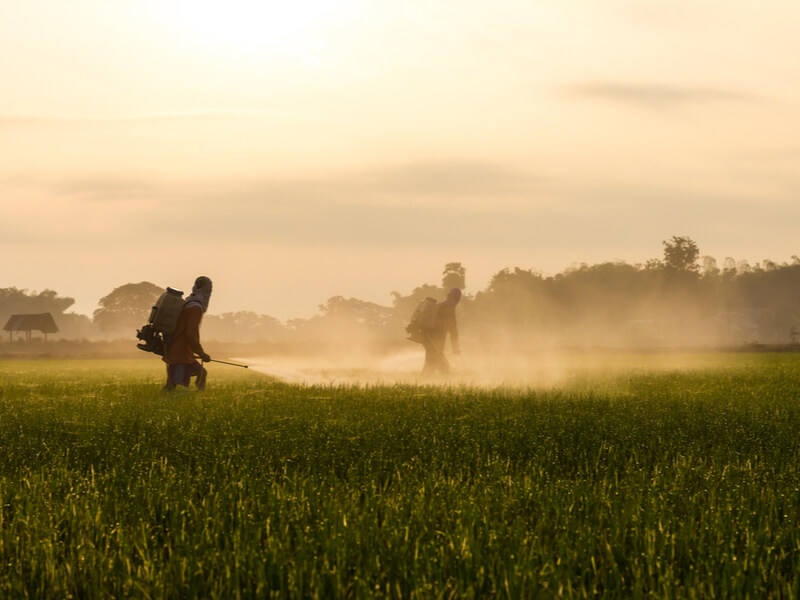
{"x": 632, "y": 476}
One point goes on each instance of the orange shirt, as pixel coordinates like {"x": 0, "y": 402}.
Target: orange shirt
{"x": 185, "y": 343}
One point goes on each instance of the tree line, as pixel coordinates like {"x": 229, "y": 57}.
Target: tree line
{"x": 682, "y": 298}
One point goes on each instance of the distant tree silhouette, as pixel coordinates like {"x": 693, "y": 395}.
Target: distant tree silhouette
{"x": 653, "y": 264}
{"x": 14, "y": 301}
{"x": 514, "y": 307}
{"x": 663, "y": 302}
{"x": 454, "y": 276}
{"x": 681, "y": 254}
{"x": 710, "y": 268}
{"x": 680, "y": 299}
{"x": 359, "y": 311}
{"x": 127, "y": 307}
{"x": 243, "y": 326}
{"x": 345, "y": 320}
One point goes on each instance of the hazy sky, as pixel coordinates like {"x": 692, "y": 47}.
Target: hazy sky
{"x": 298, "y": 150}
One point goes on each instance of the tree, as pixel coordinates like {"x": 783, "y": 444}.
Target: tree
{"x": 14, "y": 301}
{"x": 710, "y": 268}
{"x": 729, "y": 267}
{"x": 357, "y": 310}
{"x": 454, "y": 276}
{"x": 681, "y": 254}
{"x": 345, "y": 320}
{"x": 653, "y": 264}
{"x": 127, "y": 307}
{"x": 243, "y": 326}
{"x": 404, "y": 306}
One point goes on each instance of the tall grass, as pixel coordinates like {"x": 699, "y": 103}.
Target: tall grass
{"x": 630, "y": 482}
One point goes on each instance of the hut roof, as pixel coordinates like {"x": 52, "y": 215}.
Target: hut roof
{"x": 42, "y": 322}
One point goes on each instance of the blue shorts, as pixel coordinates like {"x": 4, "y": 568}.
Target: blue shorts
{"x": 182, "y": 373}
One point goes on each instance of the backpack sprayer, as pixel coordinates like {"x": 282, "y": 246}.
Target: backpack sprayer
{"x": 161, "y": 324}
{"x": 422, "y": 321}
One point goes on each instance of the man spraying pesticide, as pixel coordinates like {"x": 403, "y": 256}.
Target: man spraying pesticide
{"x": 430, "y": 325}
{"x": 173, "y": 331}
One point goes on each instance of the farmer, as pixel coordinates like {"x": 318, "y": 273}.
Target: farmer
{"x": 444, "y": 323}
{"x": 184, "y": 345}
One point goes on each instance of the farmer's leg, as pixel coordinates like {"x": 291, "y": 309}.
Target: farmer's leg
{"x": 442, "y": 364}
{"x": 430, "y": 357}
{"x": 201, "y": 379}
{"x": 435, "y": 360}
{"x": 440, "y": 360}
{"x": 169, "y": 386}
{"x": 195, "y": 369}
{"x": 178, "y": 375}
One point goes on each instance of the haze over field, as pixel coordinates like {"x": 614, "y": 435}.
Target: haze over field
{"x": 297, "y": 151}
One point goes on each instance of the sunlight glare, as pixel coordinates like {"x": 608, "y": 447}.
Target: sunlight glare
{"x": 298, "y": 28}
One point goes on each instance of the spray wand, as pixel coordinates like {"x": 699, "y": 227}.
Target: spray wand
{"x": 222, "y": 362}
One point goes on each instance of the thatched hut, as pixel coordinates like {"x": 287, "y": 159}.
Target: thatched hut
{"x": 42, "y": 322}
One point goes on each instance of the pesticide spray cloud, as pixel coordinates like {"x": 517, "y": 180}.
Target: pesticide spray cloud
{"x": 404, "y": 367}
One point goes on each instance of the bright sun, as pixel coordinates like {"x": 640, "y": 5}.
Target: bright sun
{"x": 253, "y": 27}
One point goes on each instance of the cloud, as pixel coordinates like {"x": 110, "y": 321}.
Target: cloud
{"x": 200, "y": 115}
{"x": 466, "y": 183}
{"x": 654, "y": 96}
{"x": 109, "y": 187}
{"x": 432, "y": 205}
{"x": 458, "y": 183}
{"x": 431, "y": 202}
{"x": 434, "y": 202}
{"x": 454, "y": 178}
